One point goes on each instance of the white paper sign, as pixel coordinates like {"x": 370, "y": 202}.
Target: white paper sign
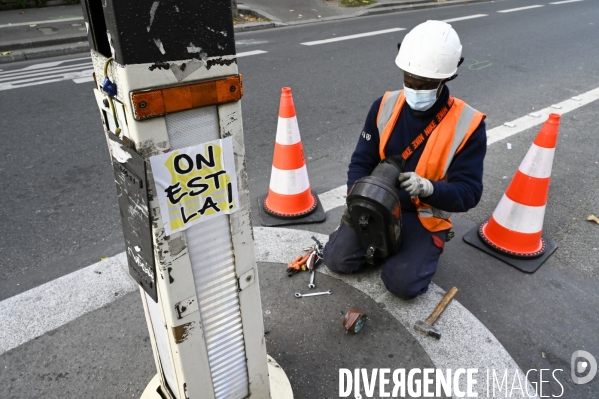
{"x": 195, "y": 184}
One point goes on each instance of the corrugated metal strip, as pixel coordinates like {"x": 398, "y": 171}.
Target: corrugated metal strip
{"x": 162, "y": 344}
{"x": 211, "y": 254}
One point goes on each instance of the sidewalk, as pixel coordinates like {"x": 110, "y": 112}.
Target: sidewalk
{"x": 36, "y": 33}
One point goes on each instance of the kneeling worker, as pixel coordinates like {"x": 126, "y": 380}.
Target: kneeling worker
{"x": 441, "y": 142}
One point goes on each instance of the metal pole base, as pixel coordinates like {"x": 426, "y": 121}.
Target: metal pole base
{"x": 280, "y": 387}
{"x": 153, "y": 389}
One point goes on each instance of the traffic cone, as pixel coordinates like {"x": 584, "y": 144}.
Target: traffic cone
{"x": 290, "y": 199}
{"x": 514, "y": 231}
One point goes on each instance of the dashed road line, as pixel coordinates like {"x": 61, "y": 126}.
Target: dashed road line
{"x": 538, "y": 117}
{"x": 521, "y": 8}
{"x": 566, "y": 1}
{"x": 253, "y": 52}
{"x": 340, "y": 38}
{"x": 464, "y": 18}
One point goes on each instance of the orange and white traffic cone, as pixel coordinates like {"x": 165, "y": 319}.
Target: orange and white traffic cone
{"x": 289, "y": 194}
{"x": 516, "y": 226}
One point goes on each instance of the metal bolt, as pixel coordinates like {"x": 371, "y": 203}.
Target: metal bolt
{"x": 143, "y": 104}
{"x": 248, "y": 279}
{"x": 232, "y": 89}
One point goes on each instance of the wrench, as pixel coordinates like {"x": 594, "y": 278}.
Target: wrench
{"x": 300, "y": 295}
{"x": 311, "y": 285}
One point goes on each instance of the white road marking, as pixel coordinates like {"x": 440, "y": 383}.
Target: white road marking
{"x": 24, "y": 74}
{"x": 521, "y": 8}
{"x": 45, "y": 79}
{"x": 46, "y": 72}
{"x": 480, "y": 349}
{"x": 566, "y": 1}
{"x": 49, "y": 21}
{"x": 521, "y": 124}
{"x": 337, "y": 39}
{"x": 333, "y": 198}
{"x": 51, "y": 305}
{"x": 84, "y": 80}
{"x": 464, "y": 18}
{"x": 54, "y": 63}
{"x": 253, "y": 52}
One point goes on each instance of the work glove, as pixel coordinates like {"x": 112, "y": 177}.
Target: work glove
{"x": 415, "y": 185}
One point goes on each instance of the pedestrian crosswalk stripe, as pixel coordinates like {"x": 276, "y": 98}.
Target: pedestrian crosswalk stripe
{"x": 24, "y": 74}
{"x": 46, "y": 72}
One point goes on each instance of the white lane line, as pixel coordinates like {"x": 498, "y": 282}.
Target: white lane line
{"x": 466, "y": 342}
{"x": 566, "y": 1}
{"x": 538, "y": 117}
{"x": 51, "y": 305}
{"x": 521, "y": 8}
{"x": 337, "y": 39}
{"x": 253, "y": 52}
{"x": 84, "y": 80}
{"x": 49, "y": 21}
{"x": 464, "y": 18}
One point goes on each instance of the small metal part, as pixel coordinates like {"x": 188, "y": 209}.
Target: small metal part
{"x": 311, "y": 285}
{"x": 300, "y": 295}
{"x": 354, "y": 320}
{"x": 370, "y": 255}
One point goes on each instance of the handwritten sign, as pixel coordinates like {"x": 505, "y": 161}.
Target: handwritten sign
{"x": 195, "y": 184}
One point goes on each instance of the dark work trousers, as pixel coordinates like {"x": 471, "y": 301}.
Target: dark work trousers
{"x": 405, "y": 274}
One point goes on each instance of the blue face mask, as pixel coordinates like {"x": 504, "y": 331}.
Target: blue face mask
{"x": 420, "y": 100}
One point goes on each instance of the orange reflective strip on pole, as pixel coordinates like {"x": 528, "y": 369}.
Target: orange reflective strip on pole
{"x": 154, "y": 103}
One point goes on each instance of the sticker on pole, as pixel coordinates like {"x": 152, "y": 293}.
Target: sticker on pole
{"x": 195, "y": 184}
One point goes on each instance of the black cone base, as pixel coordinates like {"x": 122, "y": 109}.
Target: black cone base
{"x": 318, "y": 216}
{"x": 525, "y": 265}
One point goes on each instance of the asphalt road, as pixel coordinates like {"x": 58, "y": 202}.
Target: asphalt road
{"x": 60, "y": 213}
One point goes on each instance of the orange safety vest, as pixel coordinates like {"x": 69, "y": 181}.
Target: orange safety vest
{"x": 445, "y": 141}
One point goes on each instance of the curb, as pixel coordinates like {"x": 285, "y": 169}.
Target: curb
{"x": 44, "y": 52}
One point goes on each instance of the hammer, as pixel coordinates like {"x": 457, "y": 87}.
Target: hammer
{"x": 426, "y": 327}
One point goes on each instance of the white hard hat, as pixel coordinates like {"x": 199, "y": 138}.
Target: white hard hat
{"x": 431, "y": 50}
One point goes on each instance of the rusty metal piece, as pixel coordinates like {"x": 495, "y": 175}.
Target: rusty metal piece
{"x": 354, "y": 320}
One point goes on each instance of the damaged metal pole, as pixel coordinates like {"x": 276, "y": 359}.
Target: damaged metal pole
{"x": 168, "y": 91}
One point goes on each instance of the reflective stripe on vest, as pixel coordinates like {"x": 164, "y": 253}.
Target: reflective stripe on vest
{"x": 457, "y": 127}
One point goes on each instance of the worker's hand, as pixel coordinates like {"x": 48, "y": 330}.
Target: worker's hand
{"x": 415, "y": 185}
